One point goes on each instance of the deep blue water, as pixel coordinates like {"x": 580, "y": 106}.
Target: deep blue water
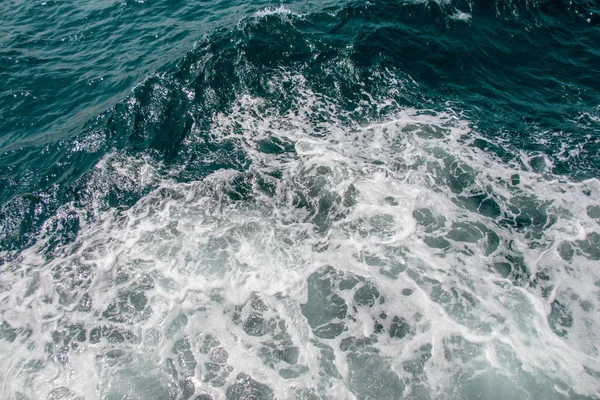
{"x": 387, "y": 199}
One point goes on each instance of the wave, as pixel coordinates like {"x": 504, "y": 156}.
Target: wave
{"x": 298, "y": 207}
{"x": 486, "y": 66}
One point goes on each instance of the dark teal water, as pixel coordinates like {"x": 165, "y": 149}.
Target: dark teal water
{"x": 388, "y": 199}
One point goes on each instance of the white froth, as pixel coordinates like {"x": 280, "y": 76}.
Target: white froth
{"x": 186, "y": 262}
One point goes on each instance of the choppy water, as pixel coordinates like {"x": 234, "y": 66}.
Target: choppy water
{"x": 302, "y": 200}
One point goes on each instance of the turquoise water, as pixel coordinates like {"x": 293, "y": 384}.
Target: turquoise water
{"x": 300, "y": 200}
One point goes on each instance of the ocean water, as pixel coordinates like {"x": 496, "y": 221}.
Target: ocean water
{"x": 300, "y": 200}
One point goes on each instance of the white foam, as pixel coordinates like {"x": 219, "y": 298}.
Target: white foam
{"x": 191, "y": 255}
{"x": 462, "y": 16}
{"x": 275, "y": 11}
